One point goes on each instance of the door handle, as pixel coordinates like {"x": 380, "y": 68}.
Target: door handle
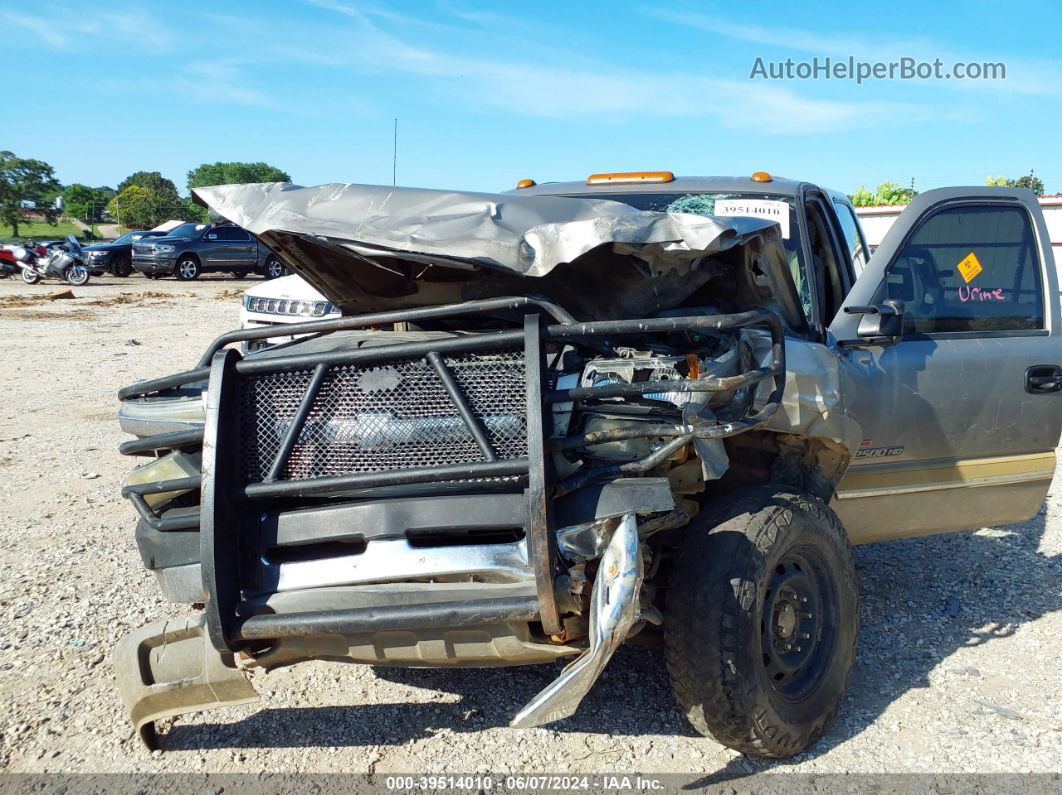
{"x": 1042, "y": 379}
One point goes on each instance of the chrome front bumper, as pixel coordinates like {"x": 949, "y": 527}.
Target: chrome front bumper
{"x": 170, "y": 668}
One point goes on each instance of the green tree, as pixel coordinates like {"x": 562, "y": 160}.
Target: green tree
{"x": 886, "y": 193}
{"x": 135, "y": 207}
{"x": 163, "y": 196}
{"x": 1030, "y": 181}
{"x": 892, "y": 193}
{"x": 152, "y": 180}
{"x": 24, "y": 179}
{"x": 234, "y": 173}
{"x": 862, "y": 197}
{"x": 79, "y": 201}
{"x": 195, "y": 212}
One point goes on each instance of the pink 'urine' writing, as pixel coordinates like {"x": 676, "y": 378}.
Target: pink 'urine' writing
{"x": 967, "y": 293}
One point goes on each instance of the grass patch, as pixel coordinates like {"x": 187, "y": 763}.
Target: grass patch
{"x": 40, "y": 231}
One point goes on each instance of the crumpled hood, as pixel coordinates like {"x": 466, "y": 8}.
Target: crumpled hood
{"x": 368, "y": 247}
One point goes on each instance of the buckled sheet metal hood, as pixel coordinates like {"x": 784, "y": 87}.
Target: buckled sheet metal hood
{"x": 373, "y": 247}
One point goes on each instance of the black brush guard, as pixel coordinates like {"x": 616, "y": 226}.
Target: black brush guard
{"x": 229, "y": 496}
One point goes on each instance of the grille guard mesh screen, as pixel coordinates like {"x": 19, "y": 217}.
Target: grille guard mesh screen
{"x": 384, "y": 417}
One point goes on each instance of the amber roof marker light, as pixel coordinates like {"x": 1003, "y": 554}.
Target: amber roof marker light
{"x": 630, "y": 177}
{"x": 526, "y": 183}
{"x": 761, "y": 176}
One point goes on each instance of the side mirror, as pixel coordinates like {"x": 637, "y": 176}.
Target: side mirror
{"x": 881, "y": 324}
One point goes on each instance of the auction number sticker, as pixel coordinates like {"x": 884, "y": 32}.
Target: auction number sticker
{"x": 769, "y": 209}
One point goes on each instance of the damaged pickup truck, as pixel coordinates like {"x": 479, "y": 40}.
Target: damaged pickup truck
{"x": 552, "y": 419}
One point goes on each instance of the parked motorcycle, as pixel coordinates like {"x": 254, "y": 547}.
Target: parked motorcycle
{"x": 65, "y": 261}
{"x": 8, "y": 264}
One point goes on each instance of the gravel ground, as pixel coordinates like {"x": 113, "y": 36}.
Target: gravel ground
{"x": 958, "y": 661}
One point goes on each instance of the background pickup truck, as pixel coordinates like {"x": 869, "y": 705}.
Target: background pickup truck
{"x": 192, "y": 249}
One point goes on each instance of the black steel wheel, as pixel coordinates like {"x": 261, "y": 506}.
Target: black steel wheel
{"x": 761, "y": 620}
{"x": 799, "y": 622}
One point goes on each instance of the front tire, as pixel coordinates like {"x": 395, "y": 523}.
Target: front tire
{"x": 122, "y": 267}
{"x": 187, "y": 269}
{"x": 762, "y": 619}
{"x": 29, "y": 277}
{"x": 77, "y": 275}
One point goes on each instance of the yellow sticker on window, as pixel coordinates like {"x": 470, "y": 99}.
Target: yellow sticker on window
{"x": 969, "y": 268}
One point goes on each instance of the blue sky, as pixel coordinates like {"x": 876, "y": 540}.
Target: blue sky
{"x": 488, "y": 93}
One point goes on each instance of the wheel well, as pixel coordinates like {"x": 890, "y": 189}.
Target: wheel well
{"x": 190, "y": 255}
{"x": 812, "y": 464}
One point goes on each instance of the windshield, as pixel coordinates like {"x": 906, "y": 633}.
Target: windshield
{"x": 186, "y": 230}
{"x": 126, "y": 238}
{"x": 728, "y": 204}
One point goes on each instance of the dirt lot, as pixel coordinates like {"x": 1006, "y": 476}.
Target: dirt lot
{"x": 958, "y": 662}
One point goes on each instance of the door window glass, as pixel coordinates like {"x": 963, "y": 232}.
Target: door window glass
{"x": 853, "y": 236}
{"x": 825, "y": 259}
{"x": 969, "y": 269}
{"x": 231, "y": 233}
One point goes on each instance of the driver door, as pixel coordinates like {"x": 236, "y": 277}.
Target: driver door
{"x": 961, "y": 410}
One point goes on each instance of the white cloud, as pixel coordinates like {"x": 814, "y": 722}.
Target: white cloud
{"x": 43, "y": 28}
{"x": 224, "y": 81}
{"x": 582, "y": 88}
{"x": 75, "y": 28}
{"x": 835, "y": 43}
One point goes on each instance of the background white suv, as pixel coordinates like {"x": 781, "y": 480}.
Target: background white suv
{"x": 289, "y": 299}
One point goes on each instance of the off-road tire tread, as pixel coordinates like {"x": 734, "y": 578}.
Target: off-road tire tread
{"x": 697, "y": 662}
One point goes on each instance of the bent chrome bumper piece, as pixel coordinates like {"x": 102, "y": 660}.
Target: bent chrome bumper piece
{"x": 613, "y": 611}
